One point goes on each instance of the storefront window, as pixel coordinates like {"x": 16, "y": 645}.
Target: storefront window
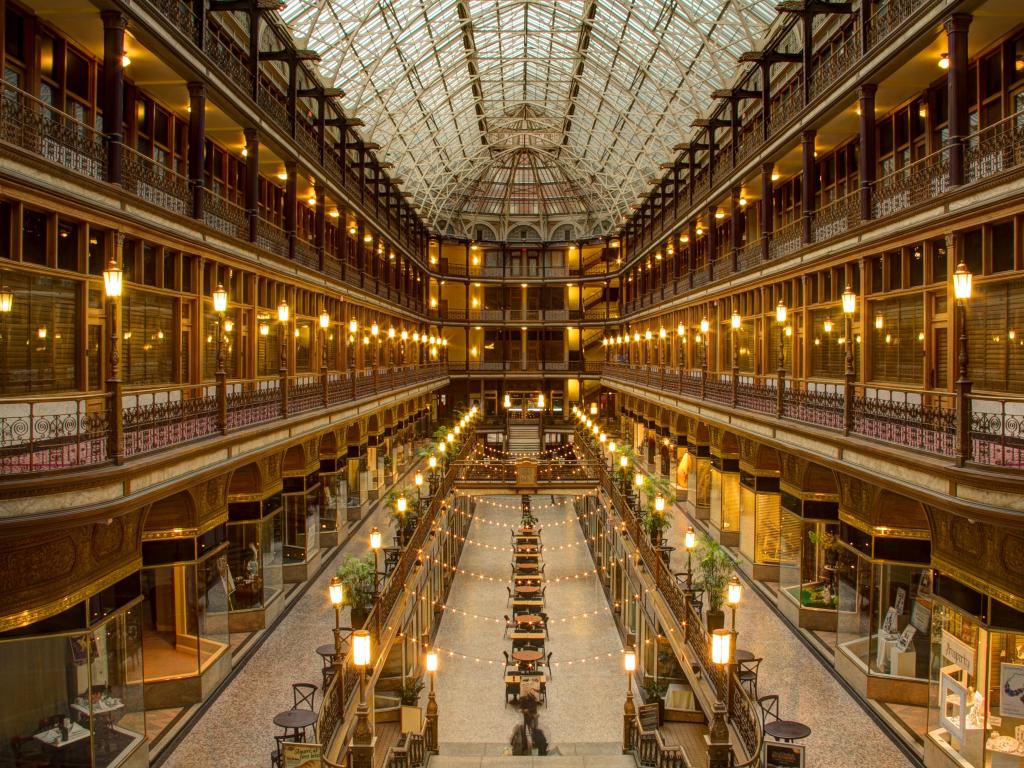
{"x": 302, "y": 519}
{"x": 79, "y": 696}
{"x": 255, "y": 555}
{"x": 853, "y": 575}
{"x": 900, "y": 595}
{"x": 976, "y": 711}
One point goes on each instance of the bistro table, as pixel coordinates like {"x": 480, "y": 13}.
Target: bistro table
{"x": 326, "y": 651}
{"x": 295, "y": 720}
{"x": 785, "y": 730}
{"x": 742, "y": 655}
{"x": 527, "y": 589}
{"x": 527, "y": 657}
{"x": 526, "y": 567}
{"x": 528, "y": 618}
{"x": 51, "y": 737}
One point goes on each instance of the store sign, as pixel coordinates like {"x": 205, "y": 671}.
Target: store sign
{"x": 1011, "y": 690}
{"x": 958, "y": 652}
{"x": 296, "y": 755}
{"x": 779, "y": 755}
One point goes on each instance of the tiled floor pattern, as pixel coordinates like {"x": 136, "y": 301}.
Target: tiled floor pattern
{"x": 584, "y": 698}
{"x": 842, "y": 734}
{"x": 237, "y": 730}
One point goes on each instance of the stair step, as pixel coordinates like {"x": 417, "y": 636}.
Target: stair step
{"x": 491, "y": 755}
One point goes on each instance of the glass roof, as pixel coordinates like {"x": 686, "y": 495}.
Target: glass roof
{"x": 547, "y": 111}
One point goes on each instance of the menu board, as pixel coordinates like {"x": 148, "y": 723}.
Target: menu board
{"x": 297, "y": 755}
{"x": 780, "y": 755}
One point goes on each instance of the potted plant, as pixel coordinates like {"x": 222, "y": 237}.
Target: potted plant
{"x": 654, "y": 522}
{"x": 404, "y": 522}
{"x": 654, "y": 691}
{"x": 387, "y": 463}
{"x": 715, "y": 567}
{"x": 829, "y": 544}
{"x": 359, "y": 577}
{"x": 411, "y": 715}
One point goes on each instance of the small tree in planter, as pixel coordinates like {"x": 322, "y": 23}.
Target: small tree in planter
{"x": 655, "y": 523}
{"x": 654, "y": 691}
{"x": 387, "y": 463}
{"x": 358, "y": 576}
{"x": 412, "y": 716}
{"x": 715, "y": 567}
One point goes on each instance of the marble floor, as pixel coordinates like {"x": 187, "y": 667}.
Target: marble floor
{"x": 842, "y": 733}
{"x": 587, "y": 686}
{"x": 236, "y": 731}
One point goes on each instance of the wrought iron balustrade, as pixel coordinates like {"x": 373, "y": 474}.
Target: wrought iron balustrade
{"x": 836, "y": 218}
{"x": 995, "y": 149}
{"x": 167, "y": 417}
{"x": 46, "y": 434}
{"x": 224, "y": 216}
{"x": 917, "y": 183}
{"x": 155, "y": 183}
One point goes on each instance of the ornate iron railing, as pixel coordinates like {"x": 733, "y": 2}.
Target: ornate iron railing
{"x": 162, "y": 418}
{"x": 837, "y": 217}
{"x": 889, "y": 17}
{"x": 917, "y": 183}
{"x": 49, "y": 434}
{"x": 786, "y": 240}
{"x": 997, "y": 431}
{"x": 814, "y": 403}
{"x": 842, "y": 59}
{"x": 271, "y": 237}
{"x": 224, "y": 216}
{"x": 997, "y": 148}
{"x": 155, "y": 183}
{"x": 36, "y": 127}
{"x": 231, "y": 65}
{"x": 925, "y": 421}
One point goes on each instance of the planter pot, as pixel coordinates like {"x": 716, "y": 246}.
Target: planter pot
{"x": 715, "y": 620}
{"x": 359, "y": 617}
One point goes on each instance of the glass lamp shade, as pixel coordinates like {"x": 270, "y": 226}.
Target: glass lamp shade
{"x": 431, "y": 661}
{"x": 734, "y": 591}
{"x": 602, "y": 437}
{"x": 636, "y": 336}
{"x": 659, "y": 504}
{"x": 849, "y": 301}
{"x": 374, "y": 329}
{"x": 623, "y": 461}
{"x": 220, "y": 299}
{"x": 336, "y": 591}
{"x": 736, "y": 321}
{"x": 540, "y": 400}
{"x": 432, "y": 462}
{"x": 112, "y": 279}
{"x": 6, "y": 300}
{"x": 638, "y": 479}
{"x": 593, "y": 409}
{"x": 704, "y": 325}
{"x": 680, "y": 330}
{"x": 401, "y": 505}
{"x": 662, "y": 333}
{"x": 458, "y": 429}
{"x": 375, "y": 538}
{"x": 647, "y": 335}
{"x": 612, "y": 447}
{"x": 596, "y": 430}
{"x": 780, "y": 312}
{"x": 441, "y": 447}
{"x": 418, "y": 479}
{"x": 451, "y": 437}
{"x": 325, "y": 319}
{"x": 353, "y": 325}
{"x": 508, "y": 402}
{"x": 721, "y": 646}
{"x": 264, "y": 329}
{"x": 629, "y": 660}
{"x": 690, "y": 538}
{"x": 962, "y": 279}
{"x": 361, "y": 648}
{"x": 283, "y": 313}
{"x": 391, "y": 333}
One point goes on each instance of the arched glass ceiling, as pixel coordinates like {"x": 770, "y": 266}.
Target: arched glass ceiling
{"x": 475, "y": 101}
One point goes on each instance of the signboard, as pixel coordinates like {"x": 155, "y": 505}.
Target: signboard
{"x": 780, "y": 755}
{"x": 920, "y": 616}
{"x": 1011, "y": 690}
{"x": 958, "y": 652}
{"x": 891, "y": 623}
{"x": 952, "y": 706}
{"x": 526, "y": 474}
{"x": 901, "y": 600}
{"x": 297, "y": 755}
{"x": 906, "y": 637}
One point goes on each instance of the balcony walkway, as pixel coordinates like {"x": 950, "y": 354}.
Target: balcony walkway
{"x": 584, "y": 712}
{"x": 237, "y": 731}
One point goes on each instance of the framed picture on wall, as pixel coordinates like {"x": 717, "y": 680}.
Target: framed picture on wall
{"x": 782, "y": 755}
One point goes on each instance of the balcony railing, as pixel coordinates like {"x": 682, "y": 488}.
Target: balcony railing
{"x": 155, "y": 183}
{"x": 836, "y": 218}
{"x": 917, "y": 183}
{"x": 224, "y": 216}
{"x": 54, "y": 433}
{"x": 38, "y": 128}
{"x": 921, "y": 420}
{"x": 995, "y": 149}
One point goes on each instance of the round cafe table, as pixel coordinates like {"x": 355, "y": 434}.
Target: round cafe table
{"x": 526, "y": 566}
{"x": 528, "y": 618}
{"x": 527, "y": 590}
{"x": 527, "y": 657}
{"x": 785, "y": 730}
{"x": 325, "y": 651}
{"x": 295, "y": 720}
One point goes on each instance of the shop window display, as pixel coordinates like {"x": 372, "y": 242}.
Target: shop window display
{"x": 976, "y": 712}
{"x": 255, "y": 554}
{"x": 80, "y": 696}
{"x": 302, "y": 518}
{"x": 185, "y": 613}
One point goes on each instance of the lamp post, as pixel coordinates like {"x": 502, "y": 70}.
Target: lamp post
{"x": 735, "y": 321}
{"x": 6, "y": 305}
{"x": 325, "y": 323}
{"x": 432, "y": 702}
{"x": 375, "y": 544}
{"x": 628, "y": 709}
{"x": 849, "y": 308}
{"x": 780, "y": 318}
{"x": 705, "y": 326}
{"x": 336, "y": 592}
{"x": 623, "y": 466}
{"x": 733, "y": 595}
{"x": 418, "y": 482}
{"x": 638, "y": 482}
{"x": 689, "y": 542}
{"x": 220, "y": 306}
{"x": 962, "y": 286}
{"x": 719, "y": 747}
{"x": 362, "y": 735}
{"x": 112, "y": 281}
{"x": 283, "y": 313}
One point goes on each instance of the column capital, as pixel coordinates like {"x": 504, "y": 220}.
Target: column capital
{"x": 958, "y": 22}
{"x": 114, "y": 20}
{"x": 808, "y": 135}
{"x": 867, "y": 91}
{"x": 196, "y": 89}
{"x": 252, "y": 136}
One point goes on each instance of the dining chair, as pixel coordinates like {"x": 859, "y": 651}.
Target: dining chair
{"x": 509, "y": 663}
{"x": 769, "y": 706}
{"x": 547, "y": 666}
{"x": 544, "y": 623}
{"x": 509, "y": 624}
{"x": 277, "y": 756}
{"x": 509, "y": 590}
{"x": 303, "y": 694}
{"x": 746, "y": 672}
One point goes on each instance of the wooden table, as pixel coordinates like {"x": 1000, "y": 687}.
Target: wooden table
{"x": 526, "y": 636}
{"x": 51, "y": 736}
{"x": 527, "y": 567}
{"x": 527, "y": 589}
{"x": 527, "y": 657}
{"x": 295, "y": 720}
{"x": 529, "y": 556}
{"x": 515, "y": 679}
{"x": 326, "y": 651}
{"x": 528, "y": 618}
{"x": 742, "y": 655}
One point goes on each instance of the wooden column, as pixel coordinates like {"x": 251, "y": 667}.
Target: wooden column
{"x": 867, "y": 156}
{"x": 291, "y": 200}
{"x": 197, "y": 145}
{"x": 767, "y": 208}
{"x": 956, "y": 85}
{"x": 114, "y": 23}
{"x": 808, "y": 181}
{"x": 252, "y": 180}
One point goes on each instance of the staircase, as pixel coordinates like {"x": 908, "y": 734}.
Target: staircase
{"x": 524, "y": 436}
{"x": 573, "y": 755}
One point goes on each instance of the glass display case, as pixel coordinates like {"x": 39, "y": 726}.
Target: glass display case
{"x": 725, "y": 500}
{"x": 255, "y": 560}
{"x": 760, "y": 532}
{"x": 302, "y": 500}
{"x": 80, "y": 698}
{"x": 186, "y": 586}
{"x": 333, "y": 499}
{"x": 976, "y": 708}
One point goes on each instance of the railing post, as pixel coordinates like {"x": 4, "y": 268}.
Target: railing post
{"x": 222, "y": 402}
{"x": 780, "y": 391}
{"x": 848, "y": 394}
